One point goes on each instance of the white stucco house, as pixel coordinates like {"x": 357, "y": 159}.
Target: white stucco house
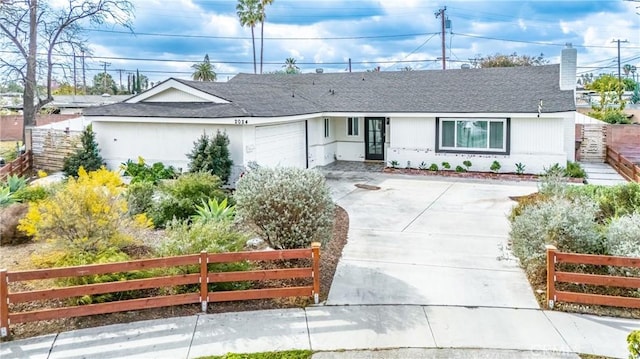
{"x": 512, "y": 115}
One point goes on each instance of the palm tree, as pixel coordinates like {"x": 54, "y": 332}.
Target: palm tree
{"x": 626, "y": 69}
{"x": 249, "y": 14}
{"x": 290, "y": 66}
{"x": 263, "y": 16}
{"x": 204, "y": 70}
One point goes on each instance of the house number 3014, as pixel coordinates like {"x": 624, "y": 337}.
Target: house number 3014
{"x": 242, "y": 122}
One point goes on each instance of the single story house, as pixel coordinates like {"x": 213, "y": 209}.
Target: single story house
{"x": 510, "y": 115}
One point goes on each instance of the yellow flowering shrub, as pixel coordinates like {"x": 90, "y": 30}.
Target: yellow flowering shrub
{"x": 88, "y": 214}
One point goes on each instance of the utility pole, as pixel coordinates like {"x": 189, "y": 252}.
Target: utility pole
{"x": 619, "y": 41}
{"x": 84, "y": 79}
{"x": 440, "y": 14}
{"x": 104, "y": 77}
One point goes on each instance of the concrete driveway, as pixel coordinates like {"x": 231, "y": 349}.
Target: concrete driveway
{"x": 422, "y": 241}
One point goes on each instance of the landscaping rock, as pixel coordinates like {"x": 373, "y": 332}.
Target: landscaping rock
{"x": 9, "y": 218}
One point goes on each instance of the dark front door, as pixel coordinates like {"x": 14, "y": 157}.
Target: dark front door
{"x": 374, "y": 138}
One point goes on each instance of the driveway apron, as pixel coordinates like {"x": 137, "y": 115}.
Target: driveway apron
{"x": 429, "y": 242}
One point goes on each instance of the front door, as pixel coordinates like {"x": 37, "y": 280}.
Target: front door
{"x": 374, "y": 138}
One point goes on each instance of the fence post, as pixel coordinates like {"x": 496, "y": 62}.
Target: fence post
{"x": 315, "y": 255}
{"x": 4, "y": 304}
{"x": 204, "y": 280}
{"x": 551, "y": 275}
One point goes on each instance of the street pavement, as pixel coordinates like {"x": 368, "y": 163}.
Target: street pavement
{"x": 425, "y": 274}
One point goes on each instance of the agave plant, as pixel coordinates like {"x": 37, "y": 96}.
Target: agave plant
{"x": 212, "y": 210}
{"x": 6, "y": 196}
{"x": 14, "y": 183}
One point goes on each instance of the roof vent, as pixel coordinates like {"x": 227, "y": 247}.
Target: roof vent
{"x": 319, "y": 70}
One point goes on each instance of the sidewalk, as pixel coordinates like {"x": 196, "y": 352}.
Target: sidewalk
{"x": 602, "y": 174}
{"x": 500, "y": 332}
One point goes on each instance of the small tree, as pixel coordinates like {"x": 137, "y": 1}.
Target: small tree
{"x": 88, "y": 156}
{"x": 212, "y": 155}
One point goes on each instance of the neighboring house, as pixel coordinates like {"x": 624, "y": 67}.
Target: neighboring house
{"x": 512, "y": 115}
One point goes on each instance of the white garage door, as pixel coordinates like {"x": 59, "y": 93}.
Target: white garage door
{"x": 281, "y": 145}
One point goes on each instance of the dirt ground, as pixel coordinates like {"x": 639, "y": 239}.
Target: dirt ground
{"x": 17, "y": 258}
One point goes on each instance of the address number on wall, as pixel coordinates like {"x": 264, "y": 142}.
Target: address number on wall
{"x": 241, "y": 122}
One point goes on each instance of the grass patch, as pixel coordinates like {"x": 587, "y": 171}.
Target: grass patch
{"x": 288, "y": 354}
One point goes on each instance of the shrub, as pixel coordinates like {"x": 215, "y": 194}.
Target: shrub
{"x": 433, "y": 167}
{"x": 567, "y": 224}
{"x": 633, "y": 339}
{"x": 6, "y": 197}
{"x": 423, "y": 166}
{"x": 31, "y": 194}
{"x": 139, "y": 197}
{"x": 289, "y": 207}
{"x": 574, "y": 170}
{"x": 460, "y": 169}
{"x": 495, "y": 166}
{"x": 467, "y": 164}
{"x": 87, "y": 157}
{"x": 212, "y": 155}
{"x": 520, "y": 168}
{"x": 86, "y": 215}
{"x": 15, "y": 183}
{"x": 623, "y": 236}
{"x": 614, "y": 201}
{"x": 446, "y": 165}
{"x": 178, "y": 198}
{"x": 213, "y": 237}
{"x": 142, "y": 172}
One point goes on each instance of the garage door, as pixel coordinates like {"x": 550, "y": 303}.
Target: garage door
{"x": 281, "y": 145}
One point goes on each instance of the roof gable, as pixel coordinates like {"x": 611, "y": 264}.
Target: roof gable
{"x": 173, "y": 90}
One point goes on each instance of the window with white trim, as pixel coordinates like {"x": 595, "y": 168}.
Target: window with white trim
{"x": 487, "y": 135}
{"x": 353, "y": 124}
{"x": 327, "y": 132}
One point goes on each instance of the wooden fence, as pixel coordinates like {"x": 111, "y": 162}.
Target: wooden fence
{"x": 553, "y": 276}
{"x": 203, "y": 296}
{"x": 20, "y": 166}
{"x": 623, "y": 165}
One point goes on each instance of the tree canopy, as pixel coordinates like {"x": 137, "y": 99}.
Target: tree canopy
{"x": 250, "y": 14}
{"x": 203, "y": 71}
{"x": 513, "y": 60}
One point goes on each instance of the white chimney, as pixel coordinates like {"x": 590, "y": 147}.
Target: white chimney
{"x": 568, "y": 60}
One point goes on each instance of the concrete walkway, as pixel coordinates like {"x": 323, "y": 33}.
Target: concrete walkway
{"x": 431, "y": 332}
{"x": 425, "y": 274}
{"x": 602, "y": 174}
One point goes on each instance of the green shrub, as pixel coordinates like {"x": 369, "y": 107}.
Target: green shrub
{"x": 179, "y": 198}
{"x": 142, "y": 172}
{"x": 213, "y": 237}
{"x": 212, "y": 155}
{"x": 467, "y": 164}
{"x": 31, "y": 194}
{"x": 87, "y": 157}
{"x": 567, "y": 224}
{"x": 574, "y": 170}
{"x": 446, "y": 165}
{"x": 288, "y": 207}
{"x": 6, "y": 197}
{"x": 139, "y": 196}
{"x": 433, "y": 167}
{"x": 460, "y": 169}
{"x": 520, "y": 168}
{"x": 623, "y": 236}
{"x": 78, "y": 258}
{"x": 613, "y": 201}
{"x": 495, "y": 166}
{"x": 634, "y": 344}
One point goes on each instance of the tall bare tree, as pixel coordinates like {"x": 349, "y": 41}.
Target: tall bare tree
{"x": 42, "y": 37}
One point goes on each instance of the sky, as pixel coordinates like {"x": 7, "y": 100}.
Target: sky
{"x": 171, "y": 35}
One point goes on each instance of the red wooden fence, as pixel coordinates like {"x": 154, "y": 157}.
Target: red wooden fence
{"x": 553, "y": 276}
{"x": 20, "y": 166}
{"x": 203, "y": 278}
{"x": 623, "y": 165}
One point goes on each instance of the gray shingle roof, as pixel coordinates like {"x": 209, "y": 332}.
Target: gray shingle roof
{"x": 492, "y": 90}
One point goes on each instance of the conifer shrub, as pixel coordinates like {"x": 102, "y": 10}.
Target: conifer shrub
{"x": 139, "y": 197}
{"x": 88, "y": 156}
{"x": 211, "y": 155}
{"x": 288, "y": 207}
